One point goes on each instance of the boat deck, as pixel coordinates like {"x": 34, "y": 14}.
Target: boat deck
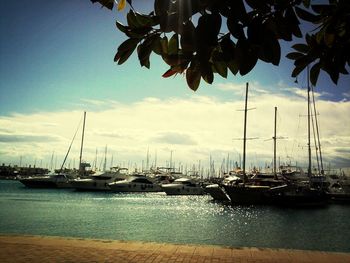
{"x": 15, "y": 248}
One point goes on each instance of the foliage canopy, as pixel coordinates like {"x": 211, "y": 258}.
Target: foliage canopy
{"x": 202, "y": 38}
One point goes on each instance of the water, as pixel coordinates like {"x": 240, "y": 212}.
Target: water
{"x": 173, "y": 219}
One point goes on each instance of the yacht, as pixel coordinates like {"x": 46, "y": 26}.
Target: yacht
{"x": 135, "y": 184}
{"x": 44, "y": 181}
{"x": 183, "y": 186}
{"x": 99, "y": 182}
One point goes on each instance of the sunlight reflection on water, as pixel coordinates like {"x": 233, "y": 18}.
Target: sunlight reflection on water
{"x": 176, "y": 219}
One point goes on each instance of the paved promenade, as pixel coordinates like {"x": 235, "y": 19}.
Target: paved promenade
{"x": 57, "y": 249}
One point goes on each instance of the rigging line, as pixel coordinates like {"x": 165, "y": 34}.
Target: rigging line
{"x": 70, "y": 146}
{"x": 317, "y": 130}
{"x": 316, "y": 148}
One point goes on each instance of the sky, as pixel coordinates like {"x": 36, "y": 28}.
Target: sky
{"x": 56, "y": 61}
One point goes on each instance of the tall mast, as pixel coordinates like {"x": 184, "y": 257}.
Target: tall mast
{"x": 245, "y": 132}
{"x": 318, "y": 134}
{"x": 274, "y": 147}
{"x": 82, "y": 143}
{"x": 308, "y": 124}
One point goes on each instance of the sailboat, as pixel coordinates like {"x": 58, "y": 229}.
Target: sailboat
{"x": 250, "y": 191}
{"x": 61, "y": 179}
{"x": 301, "y": 192}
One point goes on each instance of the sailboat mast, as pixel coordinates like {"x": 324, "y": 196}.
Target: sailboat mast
{"x": 82, "y": 143}
{"x": 274, "y": 146}
{"x": 308, "y": 125}
{"x": 318, "y": 134}
{"x": 245, "y": 132}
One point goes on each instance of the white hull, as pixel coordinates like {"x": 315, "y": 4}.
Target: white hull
{"x": 91, "y": 185}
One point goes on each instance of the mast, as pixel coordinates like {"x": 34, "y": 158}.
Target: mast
{"x": 82, "y": 144}
{"x": 105, "y": 161}
{"x": 245, "y": 133}
{"x": 318, "y": 134}
{"x": 274, "y": 147}
{"x": 308, "y": 125}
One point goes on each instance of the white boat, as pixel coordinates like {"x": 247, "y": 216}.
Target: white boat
{"x": 135, "y": 184}
{"x": 183, "y": 186}
{"x": 99, "y": 182}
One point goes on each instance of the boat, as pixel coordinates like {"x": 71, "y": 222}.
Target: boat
{"x": 135, "y": 184}
{"x": 251, "y": 190}
{"x": 100, "y": 181}
{"x": 183, "y": 186}
{"x": 339, "y": 191}
{"x": 311, "y": 192}
{"x": 45, "y": 181}
{"x": 60, "y": 178}
{"x": 217, "y": 190}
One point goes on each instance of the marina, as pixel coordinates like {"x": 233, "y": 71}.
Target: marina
{"x": 157, "y": 217}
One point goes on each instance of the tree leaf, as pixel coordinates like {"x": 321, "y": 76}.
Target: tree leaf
{"x": 173, "y": 45}
{"x": 294, "y": 55}
{"x": 221, "y": 68}
{"x": 314, "y": 72}
{"x": 236, "y": 29}
{"x": 233, "y": 67}
{"x": 128, "y": 44}
{"x": 305, "y": 15}
{"x": 121, "y": 5}
{"x": 303, "y": 48}
{"x": 122, "y": 28}
{"x": 207, "y": 73}
{"x": 193, "y": 76}
{"x": 169, "y": 73}
{"x": 144, "y": 51}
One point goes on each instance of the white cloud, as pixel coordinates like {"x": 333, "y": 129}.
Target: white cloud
{"x": 192, "y": 128}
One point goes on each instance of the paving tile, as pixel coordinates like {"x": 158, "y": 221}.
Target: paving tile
{"x": 28, "y": 249}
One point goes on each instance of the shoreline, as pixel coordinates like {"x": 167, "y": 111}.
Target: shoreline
{"x": 34, "y": 248}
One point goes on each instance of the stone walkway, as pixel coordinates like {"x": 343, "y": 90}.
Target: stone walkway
{"x": 57, "y": 249}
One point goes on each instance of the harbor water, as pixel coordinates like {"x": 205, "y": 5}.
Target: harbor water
{"x": 173, "y": 219}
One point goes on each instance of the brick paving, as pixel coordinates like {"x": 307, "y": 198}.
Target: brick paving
{"x": 57, "y": 249}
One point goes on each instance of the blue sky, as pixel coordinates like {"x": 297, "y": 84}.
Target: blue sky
{"x": 57, "y": 57}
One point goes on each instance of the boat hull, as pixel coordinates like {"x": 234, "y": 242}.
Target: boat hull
{"x": 38, "y": 183}
{"x": 217, "y": 192}
{"x": 182, "y": 190}
{"x": 248, "y": 195}
{"x": 137, "y": 188}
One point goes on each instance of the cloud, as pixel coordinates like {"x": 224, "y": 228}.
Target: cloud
{"x": 5, "y": 138}
{"x": 192, "y": 128}
{"x": 174, "y": 138}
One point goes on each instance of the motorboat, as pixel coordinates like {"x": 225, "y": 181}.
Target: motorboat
{"x": 100, "y": 181}
{"x": 47, "y": 181}
{"x": 135, "y": 184}
{"x": 183, "y": 186}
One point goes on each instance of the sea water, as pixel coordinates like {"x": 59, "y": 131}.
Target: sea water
{"x": 174, "y": 219}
